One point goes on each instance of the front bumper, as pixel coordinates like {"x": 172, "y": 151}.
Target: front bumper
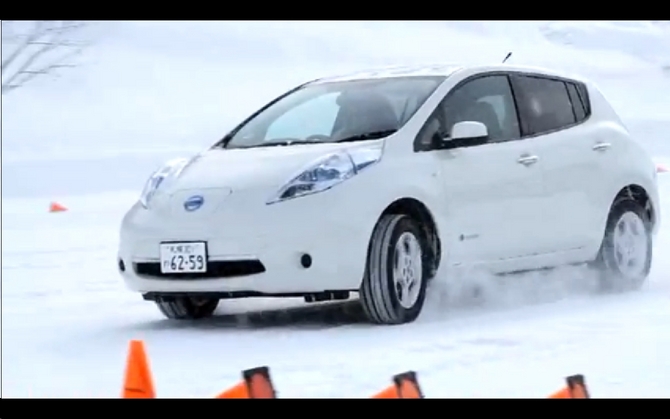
{"x": 258, "y": 250}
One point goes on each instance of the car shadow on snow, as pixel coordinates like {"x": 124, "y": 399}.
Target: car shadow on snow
{"x": 472, "y": 295}
{"x": 313, "y": 316}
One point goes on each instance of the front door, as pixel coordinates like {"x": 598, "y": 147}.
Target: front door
{"x": 494, "y": 191}
{"x": 497, "y": 201}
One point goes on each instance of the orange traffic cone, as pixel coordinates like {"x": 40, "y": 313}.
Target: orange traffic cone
{"x": 575, "y": 389}
{"x": 138, "y": 383}
{"x": 390, "y": 392}
{"x": 405, "y": 386}
{"x": 408, "y": 385}
{"x": 56, "y": 207}
{"x": 563, "y": 393}
{"x": 238, "y": 391}
{"x": 256, "y": 384}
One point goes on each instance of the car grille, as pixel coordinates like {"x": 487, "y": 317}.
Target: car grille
{"x": 215, "y": 269}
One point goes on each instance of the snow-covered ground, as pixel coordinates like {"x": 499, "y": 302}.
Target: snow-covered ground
{"x": 154, "y": 90}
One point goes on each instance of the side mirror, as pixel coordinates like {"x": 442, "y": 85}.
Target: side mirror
{"x": 464, "y": 134}
{"x": 469, "y": 130}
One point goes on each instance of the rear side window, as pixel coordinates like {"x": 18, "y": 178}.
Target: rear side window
{"x": 577, "y": 102}
{"x": 544, "y": 104}
{"x": 584, "y": 96}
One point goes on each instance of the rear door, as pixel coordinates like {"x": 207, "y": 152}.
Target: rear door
{"x": 554, "y": 114}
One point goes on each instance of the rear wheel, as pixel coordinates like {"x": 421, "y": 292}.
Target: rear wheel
{"x": 394, "y": 286}
{"x": 625, "y": 256}
{"x": 187, "y": 308}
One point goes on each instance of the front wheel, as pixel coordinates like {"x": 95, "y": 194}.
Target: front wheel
{"x": 187, "y": 308}
{"x": 625, "y": 256}
{"x": 394, "y": 286}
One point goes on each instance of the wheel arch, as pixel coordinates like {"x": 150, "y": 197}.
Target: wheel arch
{"x": 417, "y": 210}
{"x": 639, "y": 194}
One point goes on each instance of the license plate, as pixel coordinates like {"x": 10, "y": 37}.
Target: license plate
{"x": 188, "y": 257}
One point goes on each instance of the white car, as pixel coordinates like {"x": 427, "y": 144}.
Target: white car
{"x": 368, "y": 183}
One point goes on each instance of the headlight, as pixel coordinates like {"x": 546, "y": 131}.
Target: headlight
{"x": 328, "y": 171}
{"x": 170, "y": 170}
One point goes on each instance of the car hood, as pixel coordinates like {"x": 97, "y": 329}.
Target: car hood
{"x": 252, "y": 167}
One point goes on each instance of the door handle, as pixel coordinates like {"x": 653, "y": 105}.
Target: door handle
{"x": 527, "y": 160}
{"x": 602, "y": 146}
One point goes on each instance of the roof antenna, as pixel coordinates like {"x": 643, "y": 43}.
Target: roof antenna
{"x": 509, "y": 54}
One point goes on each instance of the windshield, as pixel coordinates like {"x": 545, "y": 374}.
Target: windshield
{"x": 336, "y": 112}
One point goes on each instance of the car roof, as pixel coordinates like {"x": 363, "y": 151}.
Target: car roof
{"x": 444, "y": 70}
{"x": 394, "y": 71}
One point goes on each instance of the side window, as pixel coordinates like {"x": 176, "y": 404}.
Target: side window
{"x": 577, "y": 103}
{"x": 486, "y": 99}
{"x": 316, "y": 116}
{"x": 544, "y": 104}
{"x": 584, "y": 95}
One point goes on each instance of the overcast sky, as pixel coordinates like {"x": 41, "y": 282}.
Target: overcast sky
{"x": 154, "y": 84}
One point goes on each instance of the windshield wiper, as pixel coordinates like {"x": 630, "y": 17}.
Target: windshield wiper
{"x": 279, "y": 143}
{"x": 374, "y": 135}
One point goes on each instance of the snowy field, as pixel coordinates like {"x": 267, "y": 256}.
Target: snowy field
{"x": 150, "y": 91}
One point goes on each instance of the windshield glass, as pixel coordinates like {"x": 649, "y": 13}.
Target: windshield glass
{"x": 336, "y": 112}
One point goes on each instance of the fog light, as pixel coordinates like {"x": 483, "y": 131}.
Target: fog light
{"x": 306, "y": 260}
{"x": 122, "y": 265}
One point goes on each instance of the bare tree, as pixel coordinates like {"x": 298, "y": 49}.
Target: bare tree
{"x": 36, "y": 48}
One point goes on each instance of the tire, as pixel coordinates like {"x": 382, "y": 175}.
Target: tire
{"x": 381, "y": 293}
{"x": 625, "y": 256}
{"x": 187, "y": 308}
